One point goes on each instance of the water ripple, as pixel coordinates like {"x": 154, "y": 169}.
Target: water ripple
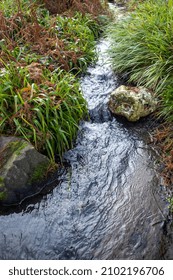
{"x": 103, "y": 206}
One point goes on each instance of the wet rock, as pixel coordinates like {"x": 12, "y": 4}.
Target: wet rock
{"x": 20, "y": 167}
{"x": 132, "y": 102}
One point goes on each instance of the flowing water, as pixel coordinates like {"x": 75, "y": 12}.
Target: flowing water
{"x": 107, "y": 202}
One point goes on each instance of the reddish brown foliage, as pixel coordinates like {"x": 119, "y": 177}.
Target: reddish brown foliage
{"x": 93, "y": 7}
{"x": 20, "y": 29}
{"x": 164, "y": 141}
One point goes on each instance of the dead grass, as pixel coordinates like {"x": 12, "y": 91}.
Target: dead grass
{"x": 163, "y": 139}
{"x": 19, "y": 28}
{"x": 39, "y": 100}
{"x": 25, "y": 29}
{"x": 93, "y": 7}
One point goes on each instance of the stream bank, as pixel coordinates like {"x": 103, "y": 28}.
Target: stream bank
{"x": 107, "y": 203}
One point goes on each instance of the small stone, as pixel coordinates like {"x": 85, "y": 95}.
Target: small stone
{"x": 132, "y": 102}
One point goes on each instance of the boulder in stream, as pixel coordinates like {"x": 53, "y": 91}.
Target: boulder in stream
{"x": 132, "y": 102}
{"x": 21, "y": 166}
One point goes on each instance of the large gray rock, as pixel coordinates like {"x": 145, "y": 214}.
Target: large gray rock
{"x": 132, "y": 102}
{"x": 21, "y": 166}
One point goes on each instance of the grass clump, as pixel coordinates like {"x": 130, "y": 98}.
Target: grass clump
{"x": 93, "y": 7}
{"x": 46, "y": 112}
{"x": 77, "y": 35}
{"x": 40, "y": 56}
{"x": 142, "y": 48}
{"x": 62, "y": 41}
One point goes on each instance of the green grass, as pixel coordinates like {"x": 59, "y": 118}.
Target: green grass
{"x": 31, "y": 33}
{"x": 142, "y": 48}
{"x": 78, "y": 35}
{"x": 10, "y": 7}
{"x": 170, "y": 200}
{"x": 40, "y": 58}
{"x": 46, "y": 114}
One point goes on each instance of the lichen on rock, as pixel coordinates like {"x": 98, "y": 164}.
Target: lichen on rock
{"x": 19, "y": 166}
{"x": 132, "y": 102}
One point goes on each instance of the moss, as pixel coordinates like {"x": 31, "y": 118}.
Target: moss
{"x": 16, "y": 146}
{"x": 3, "y": 192}
{"x": 170, "y": 200}
{"x": 3, "y": 195}
{"x": 1, "y": 181}
{"x": 39, "y": 172}
{"x": 2, "y": 184}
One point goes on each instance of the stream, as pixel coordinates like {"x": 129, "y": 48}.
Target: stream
{"x": 107, "y": 202}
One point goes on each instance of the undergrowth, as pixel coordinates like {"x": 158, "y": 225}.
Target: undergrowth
{"x": 142, "y": 49}
{"x": 163, "y": 140}
{"x": 40, "y": 57}
{"x": 45, "y": 112}
{"x": 66, "y": 42}
{"x": 93, "y": 7}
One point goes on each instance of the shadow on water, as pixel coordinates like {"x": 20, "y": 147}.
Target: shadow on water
{"x": 106, "y": 203}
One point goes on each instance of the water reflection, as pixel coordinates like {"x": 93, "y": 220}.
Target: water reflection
{"x": 106, "y": 203}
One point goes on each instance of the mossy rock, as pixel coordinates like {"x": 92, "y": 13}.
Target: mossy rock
{"x": 3, "y": 191}
{"x": 21, "y": 166}
{"x": 132, "y": 102}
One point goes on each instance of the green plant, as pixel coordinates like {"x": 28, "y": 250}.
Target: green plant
{"x": 10, "y": 7}
{"x": 142, "y": 47}
{"x": 66, "y": 42}
{"x": 47, "y": 113}
{"x": 93, "y": 7}
{"x": 39, "y": 101}
{"x": 78, "y": 35}
{"x": 170, "y": 200}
